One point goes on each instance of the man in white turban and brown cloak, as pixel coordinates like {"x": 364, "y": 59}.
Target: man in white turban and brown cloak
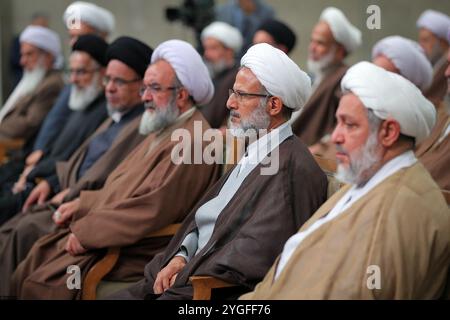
{"x": 25, "y": 109}
{"x": 399, "y": 55}
{"x": 433, "y": 27}
{"x": 434, "y": 152}
{"x": 82, "y": 17}
{"x": 236, "y": 231}
{"x": 221, "y": 43}
{"x": 332, "y": 40}
{"x": 386, "y": 234}
{"x": 146, "y": 192}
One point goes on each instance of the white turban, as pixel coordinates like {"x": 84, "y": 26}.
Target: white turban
{"x": 343, "y": 31}
{"x": 437, "y": 22}
{"x": 189, "y": 68}
{"x": 230, "y": 36}
{"x": 408, "y": 57}
{"x": 278, "y": 74}
{"x": 390, "y": 95}
{"x": 91, "y": 14}
{"x": 45, "y": 39}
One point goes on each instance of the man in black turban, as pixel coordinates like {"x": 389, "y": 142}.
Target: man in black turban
{"x": 277, "y": 34}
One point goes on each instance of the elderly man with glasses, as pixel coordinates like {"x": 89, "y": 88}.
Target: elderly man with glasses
{"x": 239, "y": 227}
{"x": 96, "y": 158}
{"x": 145, "y": 193}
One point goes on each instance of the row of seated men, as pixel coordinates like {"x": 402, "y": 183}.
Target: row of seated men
{"x": 109, "y": 179}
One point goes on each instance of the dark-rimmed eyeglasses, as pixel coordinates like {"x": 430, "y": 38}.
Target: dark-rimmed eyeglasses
{"x": 240, "y": 95}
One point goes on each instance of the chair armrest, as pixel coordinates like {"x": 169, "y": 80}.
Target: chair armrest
{"x": 169, "y": 230}
{"x": 203, "y": 286}
{"x": 105, "y": 265}
{"x": 97, "y": 272}
{"x": 9, "y": 144}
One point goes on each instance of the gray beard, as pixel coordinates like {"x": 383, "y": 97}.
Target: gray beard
{"x": 29, "y": 82}
{"x": 361, "y": 162}
{"x": 317, "y": 68}
{"x": 80, "y": 99}
{"x": 159, "y": 118}
{"x": 436, "y": 54}
{"x": 258, "y": 120}
{"x": 215, "y": 69}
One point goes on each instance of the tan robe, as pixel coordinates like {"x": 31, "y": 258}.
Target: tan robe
{"x": 146, "y": 192}
{"x": 317, "y": 118}
{"x": 402, "y": 226}
{"x": 25, "y": 118}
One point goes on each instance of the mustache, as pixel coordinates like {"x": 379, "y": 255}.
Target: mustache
{"x": 340, "y": 149}
{"x": 234, "y": 114}
{"x": 149, "y": 105}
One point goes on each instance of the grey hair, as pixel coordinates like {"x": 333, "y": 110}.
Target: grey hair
{"x": 374, "y": 121}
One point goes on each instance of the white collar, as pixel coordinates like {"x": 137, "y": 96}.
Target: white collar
{"x": 260, "y": 148}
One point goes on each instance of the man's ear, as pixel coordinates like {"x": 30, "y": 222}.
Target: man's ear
{"x": 274, "y": 106}
{"x": 389, "y": 132}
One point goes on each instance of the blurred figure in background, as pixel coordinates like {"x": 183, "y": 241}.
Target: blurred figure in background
{"x": 221, "y": 43}
{"x": 247, "y": 16}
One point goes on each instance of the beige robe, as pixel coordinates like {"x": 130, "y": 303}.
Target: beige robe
{"x": 25, "y": 118}
{"x": 402, "y": 226}
{"x": 145, "y": 193}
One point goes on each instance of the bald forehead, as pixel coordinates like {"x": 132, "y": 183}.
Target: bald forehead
{"x": 322, "y": 31}
{"x": 385, "y": 63}
{"x": 350, "y": 106}
{"x": 80, "y": 57}
{"x": 160, "y": 71}
{"x": 246, "y": 75}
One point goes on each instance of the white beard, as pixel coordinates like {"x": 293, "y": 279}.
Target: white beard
{"x": 215, "y": 69}
{"x": 159, "y": 118}
{"x": 29, "y": 82}
{"x": 82, "y": 98}
{"x": 361, "y": 162}
{"x": 318, "y": 67}
{"x": 258, "y": 120}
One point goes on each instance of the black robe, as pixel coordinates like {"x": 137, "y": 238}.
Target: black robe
{"x": 251, "y": 230}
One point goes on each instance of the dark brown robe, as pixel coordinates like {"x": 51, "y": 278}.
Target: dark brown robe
{"x": 145, "y": 193}
{"x": 437, "y": 162}
{"x": 25, "y": 118}
{"x": 252, "y": 228}
{"x": 18, "y": 235}
{"x": 216, "y": 112}
{"x": 317, "y": 118}
{"x": 438, "y": 88}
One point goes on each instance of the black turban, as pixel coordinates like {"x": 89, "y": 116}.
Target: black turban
{"x": 92, "y": 45}
{"x": 281, "y": 33}
{"x": 132, "y": 52}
